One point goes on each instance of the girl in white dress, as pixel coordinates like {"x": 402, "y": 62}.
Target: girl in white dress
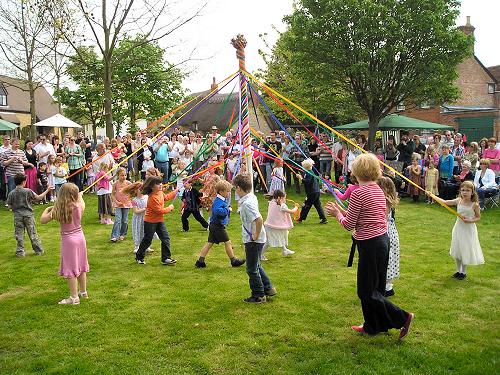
{"x": 278, "y": 178}
{"x": 278, "y": 223}
{"x": 465, "y": 247}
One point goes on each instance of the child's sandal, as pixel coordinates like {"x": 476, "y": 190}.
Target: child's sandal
{"x": 83, "y": 295}
{"x": 70, "y": 301}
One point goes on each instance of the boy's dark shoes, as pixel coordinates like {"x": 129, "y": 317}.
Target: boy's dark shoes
{"x": 199, "y": 264}
{"x": 455, "y": 275}
{"x": 237, "y": 262}
{"x": 389, "y": 293}
{"x": 461, "y": 276}
{"x": 184, "y": 230}
{"x": 406, "y": 328}
{"x": 168, "y": 262}
{"x": 255, "y": 299}
{"x": 324, "y": 221}
{"x": 270, "y": 292}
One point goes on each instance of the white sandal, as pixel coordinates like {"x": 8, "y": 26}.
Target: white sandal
{"x": 83, "y": 295}
{"x": 70, "y": 301}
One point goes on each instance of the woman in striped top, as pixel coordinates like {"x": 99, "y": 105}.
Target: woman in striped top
{"x": 366, "y": 215}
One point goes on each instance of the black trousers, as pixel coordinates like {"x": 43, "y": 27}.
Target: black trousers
{"x": 312, "y": 200}
{"x": 149, "y": 230}
{"x": 76, "y": 179}
{"x": 379, "y": 313}
{"x": 197, "y": 216}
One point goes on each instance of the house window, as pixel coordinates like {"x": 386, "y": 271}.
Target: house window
{"x": 3, "y": 96}
{"x": 425, "y": 105}
{"x": 491, "y": 88}
{"x": 400, "y": 107}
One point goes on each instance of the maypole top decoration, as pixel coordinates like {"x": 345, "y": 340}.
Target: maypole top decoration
{"x": 240, "y": 43}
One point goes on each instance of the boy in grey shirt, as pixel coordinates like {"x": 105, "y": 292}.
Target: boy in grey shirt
{"x": 254, "y": 238}
{"x": 19, "y": 201}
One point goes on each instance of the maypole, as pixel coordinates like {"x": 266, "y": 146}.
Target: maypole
{"x": 239, "y": 43}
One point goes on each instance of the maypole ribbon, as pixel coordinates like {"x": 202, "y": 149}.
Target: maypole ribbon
{"x": 210, "y": 94}
{"x": 263, "y": 85}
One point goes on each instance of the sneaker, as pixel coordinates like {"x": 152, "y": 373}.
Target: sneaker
{"x": 270, "y": 292}
{"x": 324, "y": 221}
{"x": 263, "y": 258}
{"x": 287, "y": 252}
{"x": 461, "y": 276}
{"x": 140, "y": 261}
{"x": 406, "y": 328}
{"x": 109, "y": 222}
{"x": 237, "y": 262}
{"x": 113, "y": 239}
{"x": 20, "y": 255}
{"x": 389, "y": 293}
{"x": 136, "y": 248}
{"x": 168, "y": 262}
{"x": 255, "y": 299}
{"x": 455, "y": 275}
{"x": 358, "y": 329}
{"x": 199, "y": 264}
{"x": 150, "y": 250}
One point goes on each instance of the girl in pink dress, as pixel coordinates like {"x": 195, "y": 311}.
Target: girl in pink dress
{"x": 68, "y": 210}
{"x": 278, "y": 223}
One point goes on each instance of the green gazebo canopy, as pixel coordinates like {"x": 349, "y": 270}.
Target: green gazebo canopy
{"x": 6, "y": 125}
{"x": 396, "y": 122}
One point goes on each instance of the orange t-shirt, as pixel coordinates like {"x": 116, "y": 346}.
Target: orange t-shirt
{"x": 154, "y": 209}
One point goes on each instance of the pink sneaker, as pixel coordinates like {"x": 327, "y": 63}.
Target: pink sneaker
{"x": 109, "y": 222}
{"x": 103, "y": 221}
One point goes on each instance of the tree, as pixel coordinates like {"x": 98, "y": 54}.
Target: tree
{"x": 86, "y": 103}
{"x": 389, "y": 51}
{"x": 22, "y": 29}
{"x": 315, "y": 87}
{"x": 108, "y": 24}
{"x": 143, "y": 83}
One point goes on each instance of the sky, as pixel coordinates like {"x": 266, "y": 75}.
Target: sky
{"x": 222, "y": 20}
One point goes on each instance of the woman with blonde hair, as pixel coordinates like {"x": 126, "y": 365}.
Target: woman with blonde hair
{"x": 68, "y": 211}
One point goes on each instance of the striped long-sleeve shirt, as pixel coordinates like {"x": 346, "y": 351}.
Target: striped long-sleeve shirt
{"x": 366, "y": 213}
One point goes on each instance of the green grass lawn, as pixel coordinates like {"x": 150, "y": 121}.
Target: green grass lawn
{"x": 155, "y": 319}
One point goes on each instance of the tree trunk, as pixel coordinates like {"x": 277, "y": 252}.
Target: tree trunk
{"x": 108, "y": 110}
{"x": 94, "y": 132}
{"x": 133, "y": 118}
{"x": 372, "y": 131}
{"x": 31, "y": 89}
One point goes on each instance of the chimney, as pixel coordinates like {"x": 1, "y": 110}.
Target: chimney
{"x": 468, "y": 29}
{"x": 214, "y": 85}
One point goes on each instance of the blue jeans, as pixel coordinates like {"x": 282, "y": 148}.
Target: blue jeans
{"x": 269, "y": 174}
{"x": 325, "y": 167}
{"x": 259, "y": 282}
{"x": 121, "y": 222}
{"x": 163, "y": 168}
{"x": 10, "y": 184}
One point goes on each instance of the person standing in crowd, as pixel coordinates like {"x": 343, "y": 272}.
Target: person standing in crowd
{"x": 419, "y": 146}
{"x": 73, "y": 156}
{"x": 325, "y": 156}
{"x": 3, "y": 182}
{"x": 340, "y": 161}
{"x": 312, "y": 147}
{"x": 30, "y": 172}
{"x": 361, "y": 142}
{"x": 299, "y": 154}
{"x": 287, "y": 147}
{"x": 458, "y": 152}
{"x": 161, "y": 157}
{"x": 405, "y": 149}
{"x": 493, "y": 154}
{"x": 447, "y": 140}
{"x": 13, "y": 160}
{"x": 44, "y": 149}
{"x": 472, "y": 155}
{"x": 391, "y": 152}
{"x": 437, "y": 143}
{"x": 276, "y": 146}
{"x": 483, "y": 145}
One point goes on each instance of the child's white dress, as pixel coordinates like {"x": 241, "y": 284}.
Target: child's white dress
{"x": 464, "y": 238}
{"x": 277, "y": 180}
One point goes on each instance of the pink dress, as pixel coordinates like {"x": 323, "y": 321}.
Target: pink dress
{"x": 73, "y": 246}
{"x": 277, "y": 224}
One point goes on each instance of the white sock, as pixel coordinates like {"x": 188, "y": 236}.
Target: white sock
{"x": 463, "y": 269}
{"x": 459, "y": 265}
{"x": 388, "y": 286}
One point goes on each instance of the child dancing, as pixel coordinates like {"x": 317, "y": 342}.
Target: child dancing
{"x": 278, "y": 224}
{"x": 103, "y": 191}
{"x": 154, "y": 221}
{"x": 254, "y": 238}
{"x": 311, "y": 186}
{"x": 191, "y": 205}
{"x": 122, "y": 204}
{"x": 217, "y": 227}
{"x": 465, "y": 246}
{"x": 367, "y": 215}
{"x": 19, "y": 201}
{"x": 277, "y": 177}
{"x": 68, "y": 211}
{"x": 391, "y": 197}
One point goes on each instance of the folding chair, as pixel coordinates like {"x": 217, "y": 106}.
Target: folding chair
{"x": 492, "y": 198}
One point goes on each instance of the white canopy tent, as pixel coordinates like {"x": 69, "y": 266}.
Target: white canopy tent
{"x": 58, "y": 121}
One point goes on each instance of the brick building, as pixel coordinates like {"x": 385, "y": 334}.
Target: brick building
{"x": 477, "y": 112}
